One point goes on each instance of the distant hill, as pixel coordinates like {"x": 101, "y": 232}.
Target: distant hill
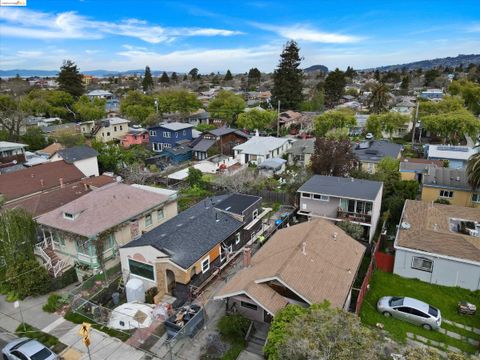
{"x": 313, "y": 68}
{"x": 429, "y": 64}
{"x": 97, "y": 73}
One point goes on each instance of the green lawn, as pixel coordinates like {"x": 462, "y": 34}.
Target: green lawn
{"x": 27, "y": 330}
{"x": 442, "y": 297}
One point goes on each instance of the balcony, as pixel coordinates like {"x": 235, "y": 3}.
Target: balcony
{"x": 355, "y": 217}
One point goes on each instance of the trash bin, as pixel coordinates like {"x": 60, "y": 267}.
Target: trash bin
{"x": 116, "y": 298}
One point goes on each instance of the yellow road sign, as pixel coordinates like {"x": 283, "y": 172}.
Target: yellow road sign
{"x": 84, "y": 329}
{"x": 86, "y": 340}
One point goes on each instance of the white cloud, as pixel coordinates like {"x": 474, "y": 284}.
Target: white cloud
{"x": 24, "y": 23}
{"x": 305, "y": 33}
{"x": 474, "y": 28}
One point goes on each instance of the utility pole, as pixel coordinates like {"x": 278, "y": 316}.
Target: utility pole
{"x": 278, "y": 119}
{"x": 415, "y": 122}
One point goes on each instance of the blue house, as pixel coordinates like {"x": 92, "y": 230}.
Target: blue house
{"x": 168, "y": 135}
{"x": 177, "y": 154}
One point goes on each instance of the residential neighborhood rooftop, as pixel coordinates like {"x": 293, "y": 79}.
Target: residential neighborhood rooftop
{"x": 451, "y": 152}
{"x": 304, "y": 146}
{"x": 77, "y": 153}
{"x": 427, "y": 226}
{"x": 304, "y": 257}
{"x": 375, "y": 150}
{"x": 7, "y": 145}
{"x": 101, "y": 209}
{"x": 175, "y": 126}
{"x": 261, "y": 145}
{"x": 447, "y": 178}
{"x": 342, "y": 187}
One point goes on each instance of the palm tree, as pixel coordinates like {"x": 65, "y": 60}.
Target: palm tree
{"x": 378, "y": 101}
{"x": 473, "y": 171}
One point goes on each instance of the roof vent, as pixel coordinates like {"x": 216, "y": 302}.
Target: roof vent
{"x": 405, "y": 225}
{"x": 334, "y": 236}
{"x": 178, "y": 225}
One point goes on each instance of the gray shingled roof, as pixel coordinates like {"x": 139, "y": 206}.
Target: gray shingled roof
{"x": 76, "y": 153}
{"x": 192, "y": 233}
{"x": 203, "y": 145}
{"x": 447, "y": 178}
{"x": 342, "y": 187}
{"x": 377, "y": 150}
{"x": 301, "y": 147}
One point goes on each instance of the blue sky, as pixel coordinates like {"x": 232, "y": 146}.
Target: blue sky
{"x": 235, "y": 35}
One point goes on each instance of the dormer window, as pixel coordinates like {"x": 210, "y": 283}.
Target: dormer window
{"x": 69, "y": 216}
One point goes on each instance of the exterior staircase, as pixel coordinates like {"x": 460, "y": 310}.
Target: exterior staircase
{"x": 53, "y": 263}
{"x": 257, "y": 337}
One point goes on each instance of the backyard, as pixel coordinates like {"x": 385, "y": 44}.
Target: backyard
{"x": 464, "y": 337}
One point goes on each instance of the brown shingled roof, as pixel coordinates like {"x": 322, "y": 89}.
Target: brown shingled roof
{"x": 37, "y": 178}
{"x": 430, "y": 230}
{"x": 324, "y": 271}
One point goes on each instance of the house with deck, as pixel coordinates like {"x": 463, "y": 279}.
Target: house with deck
{"x": 261, "y": 148}
{"x": 97, "y": 224}
{"x": 439, "y": 244}
{"x": 169, "y": 135}
{"x": 342, "y": 199}
{"x": 295, "y": 267}
{"x": 184, "y": 252}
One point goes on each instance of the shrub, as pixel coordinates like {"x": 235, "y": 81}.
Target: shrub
{"x": 28, "y": 278}
{"x": 53, "y": 303}
{"x": 233, "y": 327}
{"x": 150, "y": 294}
{"x": 68, "y": 277}
{"x": 442, "y": 201}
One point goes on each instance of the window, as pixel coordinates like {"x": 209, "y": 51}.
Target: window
{"x": 205, "y": 264}
{"x": 255, "y": 213}
{"x": 222, "y": 254}
{"x": 184, "y": 132}
{"x": 115, "y": 128}
{"x": 423, "y": 264}
{"x": 83, "y": 247}
{"x": 476, "y": 198}
{"x": 403, "y": 309}
{"x": 68, "y": 216}
{"x": 108, "y": 133}
{"x": 306, "y": 195}
{"x": 148, "y": 220}
{"x": 103, "y": 134}
{"x": 446, "y": 193}
{"x": 237, "y": 238}
{"x": 141, "y": 269}
{"x": 121, "y": 127}
{"x": 160, "y": 214}
{"x": 176, "y": 134}
{"x": 321, "y": 197}
{"x": 41, "y": 355}
{"x": 167, "y": 134}
{"x": 248, "y": 305}
{"x": 418, "y": 313}
{"x": 432, "y": 311}
{"x": 19, "y": 355}
{"x": 153, "y": 133}
{"x": 108, "y": 242}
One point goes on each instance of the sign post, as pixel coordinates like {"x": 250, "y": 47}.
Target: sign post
{"x": 84, "y": 332}
{"x": 16, "y": 305}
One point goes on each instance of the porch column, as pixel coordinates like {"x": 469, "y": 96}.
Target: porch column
{"x": 45, "y": 243}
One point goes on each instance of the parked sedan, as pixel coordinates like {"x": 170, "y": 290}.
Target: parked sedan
{"x": 412, "y": 310}
{"x": 27, "y": 349}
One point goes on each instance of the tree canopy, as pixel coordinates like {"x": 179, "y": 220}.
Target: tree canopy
{"x": 387, "y": 122}
{"x": 88, "y": 110}
{"x": 164, "y": 79}
{"x": 228, "y": 76}
{"x": 378, "y": 100}
{"x": 334, "y": 119}
{"x": 288, "y": 78}
{"x": 470, "y": 93}
{"x": 147, "y": 82}
{"x": 49, "y": 103}
{"x": 473, "y": 171}
{"x": 333, "y": 157}
{"x": 334, "y": 87}
{"x": 34, "y": 138}
{"x": 70, "y": 80}
{"x": 254, "y": 77}
{"x": 320, "y": 332}
{"x": 256, "y": 119}
{"x": 226, "y": 105}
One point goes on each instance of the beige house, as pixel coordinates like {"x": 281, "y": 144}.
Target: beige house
{"x": 296, "y": 266}
{"x": 102, "y": 220}
{"x": 109, "y": 129}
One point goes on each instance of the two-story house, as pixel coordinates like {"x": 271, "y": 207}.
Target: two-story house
{"x": 189, "y": 248}
{"x": 102, "y": 221}
{"x": 260, "y": 148}
{"x": 343, "y": 199}
{"x": 223, "y": 139}
{"x": 109, "y": 129}
{"x": 135, "y": 136}
{"x": 370, "y": 153}
{"x": 82, "y": 157}
{"x": 11, "y": 153}
{"x": 450, "y": 185}
{"x": 168, "y": 135}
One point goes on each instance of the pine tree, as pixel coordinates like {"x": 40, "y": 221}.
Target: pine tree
{"x": 288, "y": 78}
{"x": 194, "y": 74}
{"x": 405, "y": 84}
{"x": 70, "y": 80}
{"x": 147, "y": 82}
{"x": 378, "y": 101}
{"x": 185, "y": 77}
{"x": 254, "y": 77}
{"x": 174, "y": 77}
{"x": 164, "y": 79}
{"x": 350, "y": 73}
{"x": 228, "y": 76}
{"x": 334, "y": 87}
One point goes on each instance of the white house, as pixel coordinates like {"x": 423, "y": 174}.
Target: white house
{"x": 439, "y": 244}
{"x": 260, "y": 148}
{"x": 84, "y": 158}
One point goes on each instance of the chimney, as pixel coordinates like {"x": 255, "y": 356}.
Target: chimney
{"x": 304, "y": 248}
{"x": 247, "y": 256}
{"x": 61, "y": 182}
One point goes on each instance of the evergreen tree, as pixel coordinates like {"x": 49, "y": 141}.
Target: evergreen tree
{"x": 376, "y": 75}
{"x": 254, "y": 77}
{"x": 164, "y": 78}
{"x": 334, "y": 87}
{"x": 288, "y": 78}
{"x": 70, "y": 80}
{"x": 147, "y": 82}
{"x": 174, "y": 77}
{"x": 378, "y": 101}
{"x": 405, "y": 84}
{"x": 350, "y": 73}
{"x": 228, "y": 76}
{"x": 194, "y": 74}
{"x": 185, "y": 77}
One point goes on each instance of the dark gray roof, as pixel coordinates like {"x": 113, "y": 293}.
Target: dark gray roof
{"x": 237, "y": 203}
{"x": 447, "y": 178}
{"x": 178, "y": 150}
{"x": 203, "y": 145}
{"x": 301, "y": 147}
{"x": 76, "y": 153}
{"x": 342, "y": 187}
{"x": 376, "y": 150}
{"x": 192, "y": 233}
{"x": 226, "y": 130}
